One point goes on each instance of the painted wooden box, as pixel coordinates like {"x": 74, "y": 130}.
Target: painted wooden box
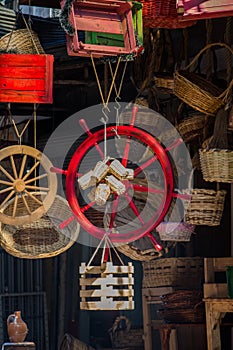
{"x": 26, "y": 78}
{"x": 112, "y": 17}
{"x": 199, "y": 9}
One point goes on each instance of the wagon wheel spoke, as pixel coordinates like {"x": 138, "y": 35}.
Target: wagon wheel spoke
{"x": 33, "y": 197}
{"x": 113, "y": 212}
{"x": 141, "y": 188}
{"x": 15, "y": 205}
{"x": 37, "y": 188}
{"x": 13, "y": 167}
{"x": 2, "y": 182}
{"x": 26, "y": 205}
{"x": 10, "y": 195}
{"x": 39, "y": 177}
{"x": 31, "y": 170}
{"x": 5, "y": 172}
{"x": 22, "y": 166}
{"x": 6, "y": 189}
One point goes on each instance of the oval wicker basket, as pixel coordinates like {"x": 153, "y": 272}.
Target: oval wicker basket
{"x": 217, "y": 165}
{"x": 21, "y": 41}
{"x": 175, "y": 231}
{"x": 42, "y": 238}
{"x": 194, "y": 126}
{"x": 197, "y": 92}
{"x": 206, "y": 207}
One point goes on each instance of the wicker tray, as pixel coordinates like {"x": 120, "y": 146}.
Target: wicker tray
{"x": 41, "y": 238}
{"x": 217, "y": 165}
{"x": 175, "y": 231}
{"x": 21, "y": 41}
{"x": 182, "y": 273}
{"x": 206, "y": 207}
{"x": 197, "y": 92}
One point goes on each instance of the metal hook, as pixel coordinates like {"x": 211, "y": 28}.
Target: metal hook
{"x": 117, "y": 98}
{"x": 105, "y": 119}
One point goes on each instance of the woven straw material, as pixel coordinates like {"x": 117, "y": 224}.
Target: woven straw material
{"x": 217, "y": 165}
{"x": 42, "y": 238}
{"x": 181, "y": 299}
{"x": 20, "y": 42}
{"x": 206, "y": 207}
{"x": 198, "y": 92}
{"x": 192, "y": 127}
{"x": 182, "y": 273}
{"x": 179, "y": 315}
{"x": 162, "y": 14}
{"x": 175, "y": 231}
{"x": 164, "y": 82}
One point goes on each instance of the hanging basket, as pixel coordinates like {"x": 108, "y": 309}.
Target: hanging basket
{"x": 206, "y": 207}
{"x": 198, "y": 92}
{"x": 42, "y": 238}
{"x": 123, "y": 336}
{"x": 175, "y": 231}
{"x": 163, "y": 14}
{"x": 21, "y": 41}
{"x": 217, "y": 165}
{"x": 193, "y": 127}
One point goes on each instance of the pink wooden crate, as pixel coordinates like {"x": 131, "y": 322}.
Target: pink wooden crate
{"x": 109, "y": 16}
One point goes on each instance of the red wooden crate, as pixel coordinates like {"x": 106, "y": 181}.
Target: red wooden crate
{"x": 199, "y": 9}
{"x": 26, "y": 78}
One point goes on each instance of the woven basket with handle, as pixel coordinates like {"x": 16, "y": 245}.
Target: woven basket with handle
{"x": 198, "y": 92}
{"x": 21, "y": 41}
{"x": 42, "y": 238}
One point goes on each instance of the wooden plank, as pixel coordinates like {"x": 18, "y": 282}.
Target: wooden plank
{"x": 215, "y": 290}
{"x": 106, "y": 292}
{"x": 22, "y": 72}
{"x": 27, "y": 60}
{"x": 106, "y": 281}
{"x": 107, "y": 305}
{"x": 22, "y": 84}
{"x": 209, "y": 275}
{"x": 108, "y": 268}
{"x": 220, "y": 264}
{"x": 94, "y": 25}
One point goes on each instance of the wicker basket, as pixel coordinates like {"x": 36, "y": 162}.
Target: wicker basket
{"x": 192, "y": 127}
{"x": 175, "y": 231}
{"x": 206, "y": 207}
{"x": 122, "y": 335}
{"x": 182, "y": 273}
{"x": 179, "y": 315}
{"x": 184, "y": 299}
{"x": 198, "y": 92}
{"x": 162, "y": 14}
{"x": 164, "y": 82}
{"x": 217, "y": 165}
{"x": 21, "y": 41}
{"x": 42, "y": 238}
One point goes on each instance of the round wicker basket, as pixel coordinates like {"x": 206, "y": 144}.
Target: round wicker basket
{"x": 21, "y": 41}
{"x": 42, "y": 238}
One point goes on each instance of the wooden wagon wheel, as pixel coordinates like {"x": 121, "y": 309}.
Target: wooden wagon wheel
{"x": 19, "y": 176}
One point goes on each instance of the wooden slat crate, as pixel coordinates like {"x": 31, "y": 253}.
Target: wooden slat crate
{"x": 111, "y": 17}
{"x": 26, "y": 78}
{"x": 106, "y": 287}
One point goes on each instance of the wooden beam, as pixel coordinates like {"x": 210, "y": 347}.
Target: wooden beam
{"x": 42, "y": 3}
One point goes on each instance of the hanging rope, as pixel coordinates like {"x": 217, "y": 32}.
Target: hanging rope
{"x": 209, "y": 29}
